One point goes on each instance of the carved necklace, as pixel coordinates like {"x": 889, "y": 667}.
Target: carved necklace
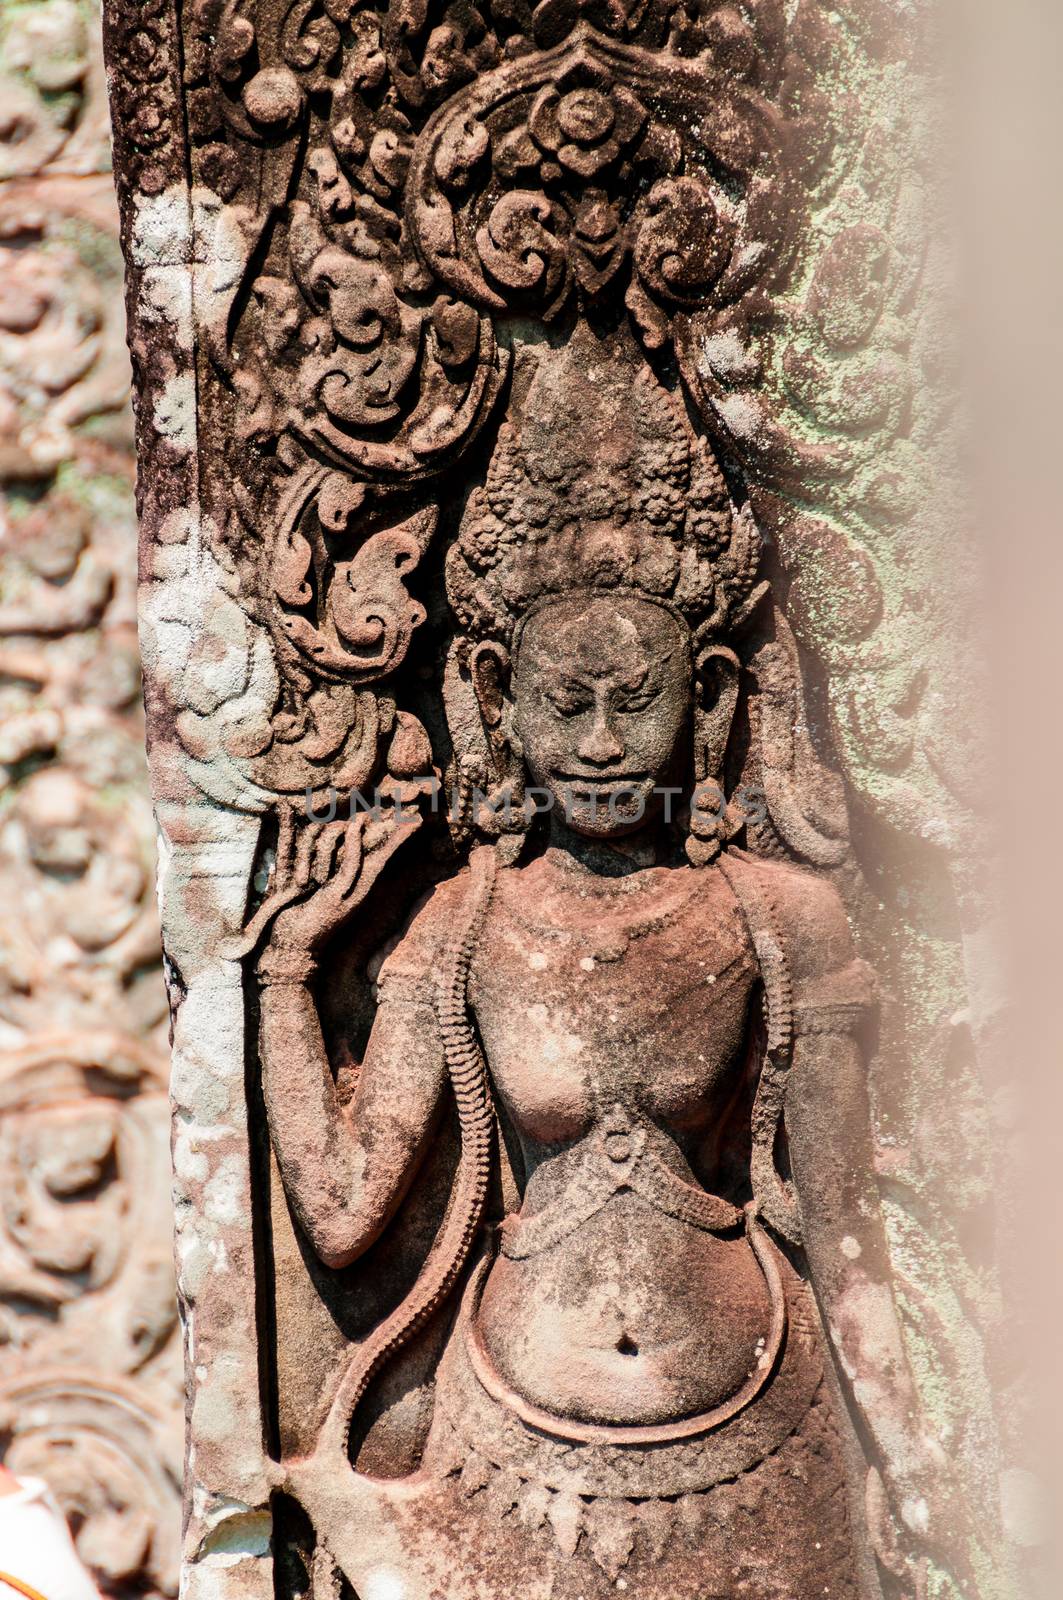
{"x": 609, "y": 939}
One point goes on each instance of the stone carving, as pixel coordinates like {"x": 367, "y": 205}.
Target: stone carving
{"x": 89, "y": 1343}
{"x": 596, "y": 1006}
{"x": 511, "y": 385}
{"x": 109, "y": 1456}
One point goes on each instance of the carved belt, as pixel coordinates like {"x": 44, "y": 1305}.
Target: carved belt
{"x": 622, "y": 1161}
{"x": 619, "y": 1160}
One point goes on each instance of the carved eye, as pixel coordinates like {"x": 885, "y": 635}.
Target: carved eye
{"x": 568, "y": 702}
{"x": 637, "y": 700}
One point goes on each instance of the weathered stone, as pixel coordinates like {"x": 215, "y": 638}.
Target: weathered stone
{"x": 529, "y": 410}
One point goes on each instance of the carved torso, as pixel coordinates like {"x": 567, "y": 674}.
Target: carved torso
{"x": 592, "y": 994}
{"x": 613, "y": 1011}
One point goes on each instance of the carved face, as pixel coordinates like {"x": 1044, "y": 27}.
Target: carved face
{"x": 602, "y": 704}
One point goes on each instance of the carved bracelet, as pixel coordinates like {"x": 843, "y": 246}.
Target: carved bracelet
{"x": 284, "y": 964}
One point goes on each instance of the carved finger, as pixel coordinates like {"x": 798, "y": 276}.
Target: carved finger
{"x": 387, "y": 833}
{"x": 382, "y": 840}
{"x": 325, "y": 851}
{"x": 352, "y": 854}
{"x": 304, "y": 854}
{"x": 242, "y": 944}
{"x": 285, "y": 842}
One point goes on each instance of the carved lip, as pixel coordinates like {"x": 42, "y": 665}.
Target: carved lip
{"x": 602, "y": 780}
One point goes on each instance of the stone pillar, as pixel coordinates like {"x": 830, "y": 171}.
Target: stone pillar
{"x": 545, "y": 449}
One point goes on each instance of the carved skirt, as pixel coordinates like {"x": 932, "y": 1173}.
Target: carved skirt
{"x": 755, "y": 1509}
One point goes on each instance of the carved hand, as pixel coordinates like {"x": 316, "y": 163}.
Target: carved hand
{"x": 323, "y": 871}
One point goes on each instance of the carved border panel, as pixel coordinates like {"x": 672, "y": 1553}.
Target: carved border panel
{"x": 90, "y": 1365}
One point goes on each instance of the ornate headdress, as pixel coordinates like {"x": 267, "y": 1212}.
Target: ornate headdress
{"x": 601, "y": 484}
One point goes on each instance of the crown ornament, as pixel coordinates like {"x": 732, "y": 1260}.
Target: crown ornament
{"x": 601, "y": 484}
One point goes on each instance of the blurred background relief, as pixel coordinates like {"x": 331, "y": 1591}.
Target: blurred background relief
{"x": 89, "y": 1350}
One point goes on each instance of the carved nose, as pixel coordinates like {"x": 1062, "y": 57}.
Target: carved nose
{"x": 600, "y": 744}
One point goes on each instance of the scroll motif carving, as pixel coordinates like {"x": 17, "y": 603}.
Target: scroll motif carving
{"x": 535, "y": 362}
{"x": 89, "y": 1341}
{"x": 113, "y": 1462}
{"x": 510, "y": 163}
{"x": 525, "y": 164}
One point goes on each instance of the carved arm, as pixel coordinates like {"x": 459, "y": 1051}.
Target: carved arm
{"x": 346, "y": 1169}
{"x": 829, "y": 1131}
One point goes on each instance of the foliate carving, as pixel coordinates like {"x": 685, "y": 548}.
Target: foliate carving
{"x": 509, "y": 161}
{"x": 89, "y": 1344}
{"x": 113, "y": 1462}
{"x": 354, "y": 582}
{"x": 373, "y": 189}
{"x": 520, "y": 366}
{"x": 83, "y": 1209}
{"x": 600, "y": 164}
{"x": 377, "y": 189}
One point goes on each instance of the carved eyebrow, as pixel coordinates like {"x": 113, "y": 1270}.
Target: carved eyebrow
{"x": 564, "y": 686}
{"x": 636, "y": 680}
{"x": 584, "y": 682}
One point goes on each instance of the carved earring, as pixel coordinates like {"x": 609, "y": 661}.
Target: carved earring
{"x": 711, "y": 817}
{"x": 471, "y": 776}
{"x": 708, "y": 823}
{"x": 501, "y": 810}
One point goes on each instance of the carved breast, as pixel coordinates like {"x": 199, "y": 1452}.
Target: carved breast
{"x": 589, "y": 992}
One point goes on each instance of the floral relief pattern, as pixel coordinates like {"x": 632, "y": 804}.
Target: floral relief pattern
{"x": 89, "y": 1346}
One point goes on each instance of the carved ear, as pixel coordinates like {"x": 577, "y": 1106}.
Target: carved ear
{"x": 716, "y": 674}
{"x": 489, "y": 670}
